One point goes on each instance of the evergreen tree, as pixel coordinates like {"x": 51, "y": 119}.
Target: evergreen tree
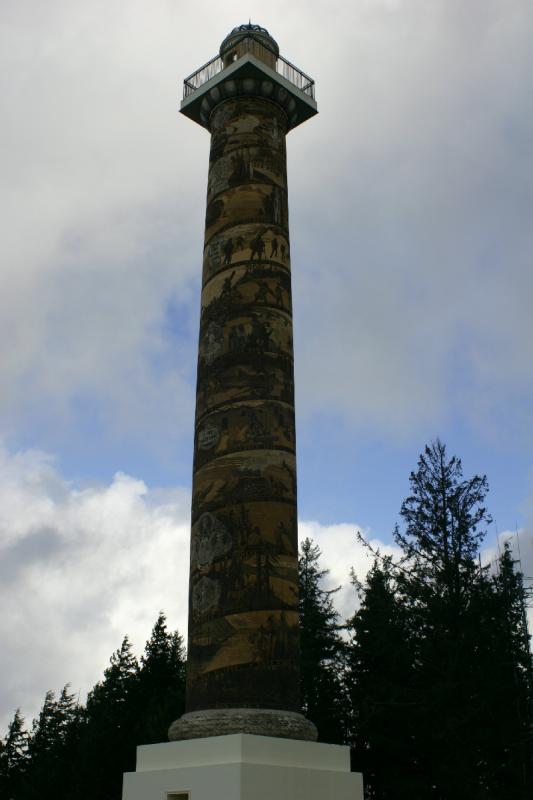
{"x": 445, "y": 522}
{"x": 508, "y": 671}
{"x": 13, "y": 757}
{"x": 107, "y": 739}
{"x": 322, "y": 650}
{"x": 379, "y": 678}
{"x": 51, "y": 746}
{"x": 161, "y": 686}
{"x": 76, "y": 753}
{"x": 437, "y": 712}
{"x": 44, "y": 728}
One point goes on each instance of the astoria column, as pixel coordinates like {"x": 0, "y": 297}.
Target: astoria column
{"x": 243, "y": 650}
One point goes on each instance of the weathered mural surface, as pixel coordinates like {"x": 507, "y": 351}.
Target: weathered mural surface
{"x": 243, "y": 626}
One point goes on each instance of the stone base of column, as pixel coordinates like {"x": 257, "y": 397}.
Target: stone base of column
{"x": 256, "y": 721}
{"x": 242, "y": 767}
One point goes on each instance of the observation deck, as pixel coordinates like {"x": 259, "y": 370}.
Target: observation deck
{"x": 249, "y": 64}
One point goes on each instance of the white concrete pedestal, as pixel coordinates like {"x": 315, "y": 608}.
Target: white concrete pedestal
{"x": 242, "y": 767}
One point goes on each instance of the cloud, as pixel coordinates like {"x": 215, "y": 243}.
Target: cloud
{"x": 341, "y": 550}
{"x": 412, "y": 272}
{"x": 409, "y": 195}
{"x": 411, "y": 248}
{"x": 96, "y": 253}
{"x": 81, "y": 567}
{"x": 521, "y": 542}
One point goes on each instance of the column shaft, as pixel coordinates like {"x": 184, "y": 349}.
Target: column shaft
{"x": 243, "y": 605}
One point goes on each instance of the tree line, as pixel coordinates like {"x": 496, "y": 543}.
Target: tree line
{"x": 80, "y": 751}
{"x": 430, "y": 681}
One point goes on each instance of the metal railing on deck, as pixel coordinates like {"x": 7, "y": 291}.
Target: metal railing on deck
{"x": 250, "y": 44}
{"x": 202, "y": 75}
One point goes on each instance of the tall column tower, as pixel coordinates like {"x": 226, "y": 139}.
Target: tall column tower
{"x": 243, "y": 653}
{"x": 236, "y": 739}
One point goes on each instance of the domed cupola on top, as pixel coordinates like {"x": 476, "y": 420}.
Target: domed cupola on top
{"x": 249, "y": 39}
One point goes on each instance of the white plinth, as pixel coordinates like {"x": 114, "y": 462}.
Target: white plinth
{"x": 242, "y": 767}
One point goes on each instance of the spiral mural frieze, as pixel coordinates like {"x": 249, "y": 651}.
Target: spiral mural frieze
{"x": 243, "y": 626}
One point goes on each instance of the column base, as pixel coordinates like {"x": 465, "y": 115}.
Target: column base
{"x": 256, "y": 721}
{"x": 242, "y": 767}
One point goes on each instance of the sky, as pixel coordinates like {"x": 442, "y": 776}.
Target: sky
{"x": 410, "y": 200}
